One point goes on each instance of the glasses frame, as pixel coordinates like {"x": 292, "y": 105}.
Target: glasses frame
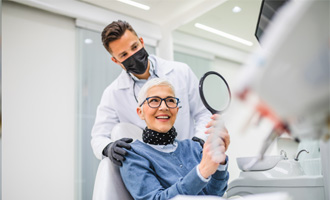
{"x": 161, "y": 100}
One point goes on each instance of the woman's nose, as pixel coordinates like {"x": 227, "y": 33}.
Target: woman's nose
{"x": 162, "y": 105}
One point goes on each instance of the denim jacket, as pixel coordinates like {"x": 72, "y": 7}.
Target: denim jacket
{"x": 152, "y": 174}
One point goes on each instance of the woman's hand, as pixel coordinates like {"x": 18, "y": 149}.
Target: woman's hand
{"x": 209, "y": 164}
{"x": 214, "y": 148}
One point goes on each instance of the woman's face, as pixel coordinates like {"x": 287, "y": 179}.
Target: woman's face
{"x": 159, "y": 119}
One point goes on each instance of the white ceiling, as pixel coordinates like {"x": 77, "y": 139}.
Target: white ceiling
{"x": 181, "y": 15}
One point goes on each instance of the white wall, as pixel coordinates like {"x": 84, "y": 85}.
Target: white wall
{"x": 39, "y": 78}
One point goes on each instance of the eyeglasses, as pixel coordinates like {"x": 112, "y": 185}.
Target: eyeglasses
{"x": 155, "y": 102}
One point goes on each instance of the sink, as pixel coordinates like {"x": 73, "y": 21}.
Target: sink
{"x": 286, "y": 168}
{"x": 283, "y": 169}
{"x": 268, "y": 162}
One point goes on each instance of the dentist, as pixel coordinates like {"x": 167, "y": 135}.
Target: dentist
{"x": 118, "y": 102}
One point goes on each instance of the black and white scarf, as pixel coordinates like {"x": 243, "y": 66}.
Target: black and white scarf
{"x": 153, "y": 137}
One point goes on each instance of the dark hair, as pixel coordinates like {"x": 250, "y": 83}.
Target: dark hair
{"x": 115, "y": 31}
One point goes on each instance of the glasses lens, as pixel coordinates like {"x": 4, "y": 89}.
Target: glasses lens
{"x": 171, "y": 102}
{"x": 154, "y": 102}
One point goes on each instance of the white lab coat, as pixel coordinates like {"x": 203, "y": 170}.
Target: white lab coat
{"x": 119, "y": 105}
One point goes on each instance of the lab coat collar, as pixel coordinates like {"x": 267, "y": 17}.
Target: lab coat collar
{"x": 124, "y": 80}
{"x": 162, "y": 68}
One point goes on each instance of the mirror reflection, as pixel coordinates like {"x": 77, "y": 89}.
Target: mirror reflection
{"x": 215, "y": 92}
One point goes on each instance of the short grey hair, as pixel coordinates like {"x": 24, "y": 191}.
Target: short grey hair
{"x": 152, "y": 83}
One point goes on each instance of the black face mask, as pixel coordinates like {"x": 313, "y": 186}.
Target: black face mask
{"x": 137, "y": 63}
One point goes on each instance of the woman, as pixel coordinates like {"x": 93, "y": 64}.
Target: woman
{"x": 160, "y": 167}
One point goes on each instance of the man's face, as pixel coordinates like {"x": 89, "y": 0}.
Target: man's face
{"x": 125, "y": 47}
{"x": 159, "y": 119}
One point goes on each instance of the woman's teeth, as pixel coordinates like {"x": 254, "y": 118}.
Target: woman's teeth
{"x": 162, "y": 117}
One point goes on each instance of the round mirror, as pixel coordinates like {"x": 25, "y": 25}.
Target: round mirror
{"x": 214, "y": 92}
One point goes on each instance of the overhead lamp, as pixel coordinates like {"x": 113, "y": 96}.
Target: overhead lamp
{"x": 136, "y": 4}
{"x": 237, "y": 9}
{"x": 88, "y": 41}
{"x": 223, "y": 34}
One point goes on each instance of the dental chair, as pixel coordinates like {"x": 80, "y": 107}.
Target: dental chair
{"x": 108, "y": 183}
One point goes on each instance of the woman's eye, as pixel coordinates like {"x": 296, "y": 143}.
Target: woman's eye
{"x": 154, "y": 100}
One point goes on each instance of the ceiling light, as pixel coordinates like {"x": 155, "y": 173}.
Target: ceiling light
{"x": 136, "y": 4}
{"x": 88, "y": 41}
{"x": 237, "y": 9}
{"x": 223, "y": 34}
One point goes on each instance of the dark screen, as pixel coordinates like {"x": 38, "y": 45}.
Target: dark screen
{"x": 267, "y": 11}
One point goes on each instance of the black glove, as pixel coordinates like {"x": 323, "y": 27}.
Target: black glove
{"x": 201, "y": 142}
{"x": 115, "y": 150}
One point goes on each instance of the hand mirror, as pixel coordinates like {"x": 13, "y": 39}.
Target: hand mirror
{"x": 214, "y": 92}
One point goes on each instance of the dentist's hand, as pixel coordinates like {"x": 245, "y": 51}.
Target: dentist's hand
{"x": 224, "y": 132}
{"x": 115, "y": 150}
